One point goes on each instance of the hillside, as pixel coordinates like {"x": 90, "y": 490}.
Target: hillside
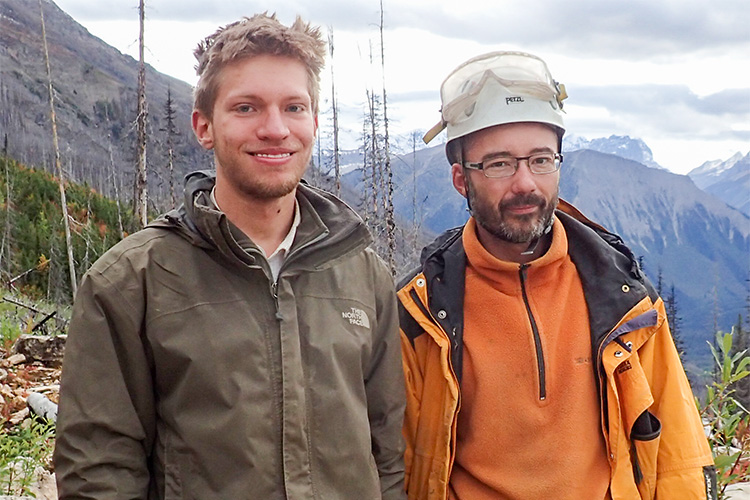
{"x": 33, "y": 256}
{"x": 95, "y": 97}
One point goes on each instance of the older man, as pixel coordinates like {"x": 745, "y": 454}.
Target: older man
{"x": 538, "y": 358}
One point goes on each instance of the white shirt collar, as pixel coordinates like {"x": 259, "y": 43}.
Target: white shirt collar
{"x": 276, "y": 259}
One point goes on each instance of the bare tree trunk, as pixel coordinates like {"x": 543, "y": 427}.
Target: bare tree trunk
{"x": 336, "y": 160}
{"x": 114, "y": 177}
{"x": 390, "y": 222}
{"x": 416, "y": 220}
{"x": 317, "y": 172}
{"x": 141, "y": 183}
{"x": 5, "y": 246}
{"x": 169, "y": 115}
{"x": 374, "y": 151}
{"x": 365, "y": 169}
{"x": 87, "y": 233}
{"x": 58, "y": 164}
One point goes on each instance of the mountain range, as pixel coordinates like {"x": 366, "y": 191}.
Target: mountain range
{"x": 684, "y": 227}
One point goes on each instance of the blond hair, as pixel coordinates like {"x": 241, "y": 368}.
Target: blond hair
{"x": 261, "y": 34}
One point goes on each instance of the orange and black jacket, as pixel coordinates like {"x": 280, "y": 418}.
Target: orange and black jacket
{"x": 655, "y": 439}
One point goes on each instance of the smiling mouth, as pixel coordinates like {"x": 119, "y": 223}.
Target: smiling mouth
{"x": 273, "y": 156}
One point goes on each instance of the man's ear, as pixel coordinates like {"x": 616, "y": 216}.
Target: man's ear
{"x": 458, "y": 174}
{"x": 203, "y": 130}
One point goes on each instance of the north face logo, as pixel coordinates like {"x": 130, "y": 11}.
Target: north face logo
{"x": 356, "y": 317}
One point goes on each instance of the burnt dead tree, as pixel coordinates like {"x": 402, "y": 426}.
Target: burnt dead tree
{"x": 171, "y": 130}
{"x": 390, "y": 222}
{"x": 334, "y": 105}
{"x": 141, "y": 183}
{"x": 58, "y": 163}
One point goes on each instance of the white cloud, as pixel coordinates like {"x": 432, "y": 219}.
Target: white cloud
{"x": 672, "y": 72}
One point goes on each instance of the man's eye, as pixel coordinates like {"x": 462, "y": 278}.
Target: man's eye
{"x": 499, "y": 164}
{"x": 541, "y": 160}
{"x": 295, "y": 108}
{"x": 244, "y": 108}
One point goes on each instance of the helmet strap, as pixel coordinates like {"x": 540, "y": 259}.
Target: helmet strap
{"x": 533, "y": 244}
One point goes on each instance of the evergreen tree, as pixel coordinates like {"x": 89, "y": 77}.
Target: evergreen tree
{"x": 34, "y": 256}
{"x": 675, "y": 321}
{"x": 171, "y": 130}
{"x": 660, "y": 281}
{"x": 741, "y": 343}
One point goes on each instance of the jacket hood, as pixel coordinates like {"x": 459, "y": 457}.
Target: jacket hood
{"x": 328, "y": 221}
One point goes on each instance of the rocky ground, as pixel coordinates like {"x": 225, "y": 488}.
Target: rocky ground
{"x": 30, "y": 366}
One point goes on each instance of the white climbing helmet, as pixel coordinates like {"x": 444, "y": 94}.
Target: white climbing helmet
{"x": 498, "y": 88}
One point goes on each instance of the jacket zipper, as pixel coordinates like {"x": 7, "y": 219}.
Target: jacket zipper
{"x": 535, "y": 332}
{"x": 293, "y": 253}
{"x": 275, "y": 295}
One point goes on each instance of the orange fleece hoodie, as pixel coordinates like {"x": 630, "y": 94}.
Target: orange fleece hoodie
{"x": 528, "y": 428}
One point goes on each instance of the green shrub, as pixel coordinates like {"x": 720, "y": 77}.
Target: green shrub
{"x": 10, "y": 330}
{"x": 23, "y": 450}
{"x": 728, "y": 421}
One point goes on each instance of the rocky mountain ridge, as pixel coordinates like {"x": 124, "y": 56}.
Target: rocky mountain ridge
{"x": 619, "y": 145}
{"x": 728, "y": 180}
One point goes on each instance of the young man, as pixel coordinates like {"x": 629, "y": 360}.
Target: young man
{"x": 245, "y": 345}
{"x": 538, "y": 359}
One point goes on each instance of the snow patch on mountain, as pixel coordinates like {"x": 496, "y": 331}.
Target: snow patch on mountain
{"x": 712, "y": 170}
{"x": 728, "y": 180}
{"x": 619, "y": 145}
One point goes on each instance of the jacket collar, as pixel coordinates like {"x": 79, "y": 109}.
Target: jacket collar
{"x": 612, "y": 280}
{"x": 328, "y": 229}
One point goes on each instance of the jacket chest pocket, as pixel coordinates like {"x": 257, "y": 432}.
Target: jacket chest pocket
{"x": 644, "y": 438}
{"x": 643, "y": 428}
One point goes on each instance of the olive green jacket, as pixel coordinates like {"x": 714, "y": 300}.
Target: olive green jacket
{"x": 190, "y": 374}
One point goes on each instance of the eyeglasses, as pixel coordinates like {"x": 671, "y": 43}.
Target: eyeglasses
{"x": 506, "y": 166}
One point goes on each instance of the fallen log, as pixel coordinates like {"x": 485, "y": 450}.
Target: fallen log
{"x": 40, "y": 405}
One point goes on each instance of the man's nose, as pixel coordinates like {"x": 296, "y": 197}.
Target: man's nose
{"x": 273, "y": 126}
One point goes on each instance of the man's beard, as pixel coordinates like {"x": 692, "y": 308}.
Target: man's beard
{"x": 513, "y": 228}
{"x": 268, "y": 191}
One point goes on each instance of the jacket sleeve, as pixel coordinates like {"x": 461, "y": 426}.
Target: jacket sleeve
{"x": 685, "y": 467}
{"x": 384, "y": 387}
{"x": 105, "y": 427}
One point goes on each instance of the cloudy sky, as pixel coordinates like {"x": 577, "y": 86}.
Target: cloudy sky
{"x": 675, "y": 73}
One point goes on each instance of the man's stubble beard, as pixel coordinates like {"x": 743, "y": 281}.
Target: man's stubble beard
{"x": 253, "y": 188}
{"x": 512, "y": 228}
